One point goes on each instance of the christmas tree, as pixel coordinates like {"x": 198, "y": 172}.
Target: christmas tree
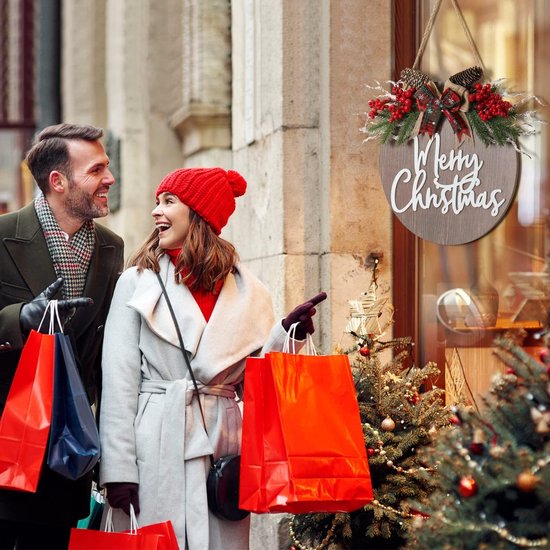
{"x": 493, "y": 466}
{"x": 400, "y": 411}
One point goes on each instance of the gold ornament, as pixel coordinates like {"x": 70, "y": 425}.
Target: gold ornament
{"x": 527, "y": 482}
{"x": 388, "y": 425}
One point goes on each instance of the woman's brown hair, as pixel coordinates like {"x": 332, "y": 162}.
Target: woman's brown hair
{"x": 204, "y": 260}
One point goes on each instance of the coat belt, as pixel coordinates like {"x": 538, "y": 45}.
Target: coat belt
{"x": 180, "y": 439}
{"x": 162, "y": 386}
{"x": 178, "y": 442}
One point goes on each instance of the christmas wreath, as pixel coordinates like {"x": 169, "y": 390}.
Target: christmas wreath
{"x": 416, "y": 105}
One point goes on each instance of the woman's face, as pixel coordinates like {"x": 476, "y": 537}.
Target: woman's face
{"x": 172, "y": 221}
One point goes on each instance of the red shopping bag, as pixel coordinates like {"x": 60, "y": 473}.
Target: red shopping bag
{"x": 157, "y": 536}
{"x": 25, "y": 422}
{"x": 302, "y": 446}
{"x": 88, "y": 539}
{"x": 166, "y": 531}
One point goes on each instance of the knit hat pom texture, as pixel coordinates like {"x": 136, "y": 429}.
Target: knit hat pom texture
{"x": 210, "y": 192}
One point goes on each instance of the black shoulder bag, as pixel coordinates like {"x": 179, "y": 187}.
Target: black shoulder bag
{"x": 222, "y": 484}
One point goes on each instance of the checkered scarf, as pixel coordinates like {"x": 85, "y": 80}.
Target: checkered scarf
{"x": 70, "y": 258}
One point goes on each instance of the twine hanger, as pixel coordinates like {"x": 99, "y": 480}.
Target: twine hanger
{"x": 429, "y": 28}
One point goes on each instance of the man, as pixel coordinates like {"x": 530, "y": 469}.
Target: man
{"x": 51, "y": 248}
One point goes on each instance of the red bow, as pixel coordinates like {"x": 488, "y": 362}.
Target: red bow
{"x": 434, "y": 105}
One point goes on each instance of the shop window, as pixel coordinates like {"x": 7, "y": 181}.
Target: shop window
{"x": 466, "y": 295}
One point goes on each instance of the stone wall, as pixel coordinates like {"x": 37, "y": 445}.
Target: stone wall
{"x": 275, "y": 90}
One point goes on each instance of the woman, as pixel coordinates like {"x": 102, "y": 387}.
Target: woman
{"x": 155, "y": 450}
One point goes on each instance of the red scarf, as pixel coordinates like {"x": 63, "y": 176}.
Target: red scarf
{"x": 205, "y": 299}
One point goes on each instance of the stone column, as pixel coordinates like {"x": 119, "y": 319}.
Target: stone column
{"x": 203, "y": 118}
{"x": 84, "y": 94}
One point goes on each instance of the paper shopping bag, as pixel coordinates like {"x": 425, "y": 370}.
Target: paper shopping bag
{"x": 302, "y": 448}
{"x": 157, "y": 536}
{"x": 165, "y": 529}
{"x": 73, "y": 449}
{"x": 25, "y": 422}
{"x": 90, "y": 539}
{"x": 97, "y": 506}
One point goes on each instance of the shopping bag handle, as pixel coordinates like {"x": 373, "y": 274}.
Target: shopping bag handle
{"x": 291, "y": 335}
{"x": 53, "y": 309}
{"x": 110, "y": 527}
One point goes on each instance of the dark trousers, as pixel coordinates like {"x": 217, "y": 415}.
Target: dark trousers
{"x": 19, "y": 535}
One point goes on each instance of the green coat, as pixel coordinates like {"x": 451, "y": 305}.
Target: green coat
{"x": 26, "y": 270}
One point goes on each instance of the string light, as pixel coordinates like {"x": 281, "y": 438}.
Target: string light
{"x": 502, "y": 532}
{"x": 390, "y": 462}
{"x": 406, "y": 515}
{"x": 322, "y": 544}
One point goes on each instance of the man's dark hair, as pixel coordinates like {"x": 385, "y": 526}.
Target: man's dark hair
{"x": 50, "y": 152}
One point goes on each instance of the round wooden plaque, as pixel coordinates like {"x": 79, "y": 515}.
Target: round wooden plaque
{"x": 445, "y": 193}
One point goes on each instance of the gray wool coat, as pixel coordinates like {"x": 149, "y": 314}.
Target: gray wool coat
{"x": 150, "y": 425}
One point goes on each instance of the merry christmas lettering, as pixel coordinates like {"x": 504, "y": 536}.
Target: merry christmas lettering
{"x": 443, "y": 195}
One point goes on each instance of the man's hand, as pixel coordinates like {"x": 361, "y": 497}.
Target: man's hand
{"x": 32, "y": 313}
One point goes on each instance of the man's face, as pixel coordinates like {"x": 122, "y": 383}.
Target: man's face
{"x": 86, "y": 197}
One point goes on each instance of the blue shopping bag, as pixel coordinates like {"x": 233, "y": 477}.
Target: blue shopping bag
{"x": 73, "y": 449}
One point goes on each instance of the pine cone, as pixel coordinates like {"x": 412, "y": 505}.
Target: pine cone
{"x": 414, "y": 78}
{"x": 467, "y": 77}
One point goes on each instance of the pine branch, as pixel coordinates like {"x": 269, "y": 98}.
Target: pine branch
{"x": 503, "y": 130}
{"x": 479, "y": 128}
{"x": 495, "y": 448}
{"x": 387, "y": 133}
{"x": 406, "y": 126}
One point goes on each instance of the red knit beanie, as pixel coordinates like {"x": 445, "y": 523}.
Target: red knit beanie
{"x": 210, "y": 192}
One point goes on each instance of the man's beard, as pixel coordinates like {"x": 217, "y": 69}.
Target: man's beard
{"x": 82, "y": 206}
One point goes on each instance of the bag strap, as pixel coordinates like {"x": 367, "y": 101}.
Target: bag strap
{"x": 291, "y": 336}
{"x": 186, "y": 359}
{"x": 52, "y": 309}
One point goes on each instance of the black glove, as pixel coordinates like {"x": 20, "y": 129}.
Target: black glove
{"x": 32, "y": 313}
{"x": 303, "y": 314}
{"x": 122, "y": 494}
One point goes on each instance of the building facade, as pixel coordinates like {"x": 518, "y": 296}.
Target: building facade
{"x": 279, "y": 90}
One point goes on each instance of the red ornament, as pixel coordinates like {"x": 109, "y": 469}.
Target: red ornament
{"x": 454, "y": 420}
{"x": 413, "y": 399}
{"x": 477, "y": 448}
{"x": 365, "y": 351}
{"x": 370, "y": 452}
{"x": 510, "y": 371}
{"x": 467, "y": 487}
